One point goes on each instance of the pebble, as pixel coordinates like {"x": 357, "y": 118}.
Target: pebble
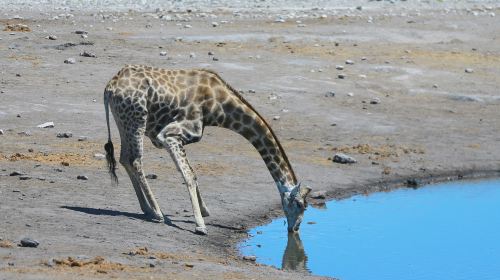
{"x": 87, "y": 54}
{"x": 52, "y": 37}
{"x": 99, "y": 156}
{"x": 339, "y": 67}
{"x": 28, "y": 242}
{"x": 343, "y": 158}
{"x": 190, "y": 265}
{"x": 251, "y": 91}
{"x": 215, "y": 59}
{"x": 469, "y": 70}
{"x": 151, "y": 176}
{"x": 81, "y": 32}
{"x": 435, "y": 86}
{"x": 16, "y": 173}
{"x": 276, "y": 118}
{"x": 413, "y": 183}
{"x": 163, "y": 53}
{"x": 24, "y": 177}
{"x": 192, "y": 55}
{"x": 46, "y": 125}
{"x": 1, "y": 132}
{"x": 64, "y": 135}
{"x": 318, "y": 195}
{"x": 215, "y": 24}
{"x": 210, "y": 53}
{"x": 349, "y": 62}
{"x": 250, "y": 258}
{"x": 375, "y": 100}
{"x": 24, "y": 133}
{"x": 350, "y": 94}
{"x": 330, "y": 94}
{"x": 341, "y": 76}
{"x": 83, "y": 138}
{"x": 70, "y": 60}
{"x": 188, "y": 26}
{"x": 82, "y": 177}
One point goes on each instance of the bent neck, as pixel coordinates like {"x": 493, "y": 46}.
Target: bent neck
{"x": 244, "y": 120}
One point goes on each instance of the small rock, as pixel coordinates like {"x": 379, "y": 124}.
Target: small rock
{"x": 87, "y": 54}
{"x": 1, "y": 132}
{"x": 215, "y": 59}
{"x": 28, "y": 242}
{"x": 251, "y": 91}
{"x": 341, "y": 76}
{"x": 187, "y": 26}
{"x": 349, "y": 62}
{"x": 276, "y": 118}
{"x": 24, "y": 133}
{"x": 215, "y": 24}
{"x": 469, "y": 70}
{"x": 190, "y": 265}
{"x": 311, "y": 223}
{"x": 192, "y": 55}
{"x": 99, "y": 156}
{"x": 330, "y": 94}
{"x": 24, "y": 177}
{"x": 435, "y": 86}
{"x": 359, "y": 8}
{"x": 210, "y": 53}
{"x": 70, "y": 60}
{"x": 375, "y": 100}
{"x": 318, "y": 195}
{"x": 163, "y": 53}
{"x": 413, "y": 183}
{"x": 339, "y": 67}
{"x": 81, "y": 32}
{"x": 259, "y": 232}
{"x": 46, "y": 125}
{"x": 151, "y": 176}
{"x": 250, "y": 258}
{"x": 16, "y": 173}
{"x": 64, "y": 135}
{"x": 350, "y": 94}
{"x": 343, "y": 158}
{"x": 83, "y": 138}
{"x": 52, "y": 37}
{"x": 82, "y": 177}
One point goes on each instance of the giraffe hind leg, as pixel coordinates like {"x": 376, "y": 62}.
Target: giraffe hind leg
{"x": 131, "y": 158}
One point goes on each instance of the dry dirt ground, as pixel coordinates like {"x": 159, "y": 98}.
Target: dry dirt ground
{"x": 433, "y": 121}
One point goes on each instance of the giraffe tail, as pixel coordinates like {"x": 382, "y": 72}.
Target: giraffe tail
{"x": 108, "y": 147}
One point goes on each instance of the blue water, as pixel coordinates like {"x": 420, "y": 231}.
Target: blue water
{"x": 443, "y": 231}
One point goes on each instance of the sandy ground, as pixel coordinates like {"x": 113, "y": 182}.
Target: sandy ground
{"x": 433, "y": 121}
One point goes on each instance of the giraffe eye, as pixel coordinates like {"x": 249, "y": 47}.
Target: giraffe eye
{"x": 300, "y": 204}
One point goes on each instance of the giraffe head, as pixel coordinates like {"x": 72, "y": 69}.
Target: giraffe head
{"x": 294, "y": 204}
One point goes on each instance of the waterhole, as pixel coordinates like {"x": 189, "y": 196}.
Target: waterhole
{"x": 441, "y": 231}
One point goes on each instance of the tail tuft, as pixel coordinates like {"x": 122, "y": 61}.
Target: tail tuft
{"x": 110, "y": 158}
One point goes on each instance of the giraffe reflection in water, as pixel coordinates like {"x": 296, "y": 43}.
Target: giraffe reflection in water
{"x": 295, "y": 257}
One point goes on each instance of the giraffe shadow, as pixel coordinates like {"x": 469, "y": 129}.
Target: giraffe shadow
{"x": 115, "y": 213}
{"x": 210, "y": 224}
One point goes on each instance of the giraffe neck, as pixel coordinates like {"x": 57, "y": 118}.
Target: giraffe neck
{"x": 240, "y": 117}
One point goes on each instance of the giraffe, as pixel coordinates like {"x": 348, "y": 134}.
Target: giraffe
{"x": 172, "y": 107}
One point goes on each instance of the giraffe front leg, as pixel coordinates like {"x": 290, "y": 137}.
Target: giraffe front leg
{"x": 203, "y": 207}
{"x": 178, "y": 154}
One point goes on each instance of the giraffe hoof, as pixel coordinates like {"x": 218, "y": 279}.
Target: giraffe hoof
{"x": 155, "y": 218}
{"x": 205, "y": 213}
{"x": 201, "y": 230}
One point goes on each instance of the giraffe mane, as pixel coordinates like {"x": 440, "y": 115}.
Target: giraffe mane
{"x": 240, "y": 97}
